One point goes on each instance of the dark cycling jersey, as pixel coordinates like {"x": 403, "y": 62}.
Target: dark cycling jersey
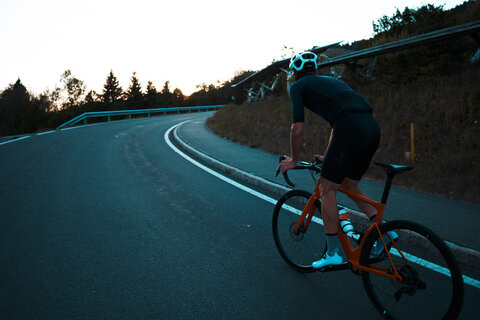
{"x": 326, "y": 96}
{"x": 356, "y": 134}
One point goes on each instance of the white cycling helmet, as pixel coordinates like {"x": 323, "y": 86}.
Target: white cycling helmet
{"x": 299, "y": 61}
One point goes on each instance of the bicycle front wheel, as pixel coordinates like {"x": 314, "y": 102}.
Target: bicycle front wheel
{"x": 432, "y": 285}
{"x": 298, "y": 250}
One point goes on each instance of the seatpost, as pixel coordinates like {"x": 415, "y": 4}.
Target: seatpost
{"x": 388, "y": 185}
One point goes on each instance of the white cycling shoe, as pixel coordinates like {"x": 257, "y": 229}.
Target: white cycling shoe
{"x": 328, "y": 260}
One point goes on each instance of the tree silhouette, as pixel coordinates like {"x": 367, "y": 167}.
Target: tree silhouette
{"x": 73, "y": 87}
{"x": 151, "y": 94}
{"x": 20, "y": 112}
{"x": 13, "y": 103}
{"x": 178, "y": 97}
{"x": 134, "y": 92}
{"x": 166, "y": 95}
{"x": 111, "y": 90}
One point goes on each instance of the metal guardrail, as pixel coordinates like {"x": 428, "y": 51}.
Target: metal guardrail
{"x": 83, "y": 117}
{"x": 283, "y": 64}
{"x": 471, "y": 28}
{"x": 427, "y": 38}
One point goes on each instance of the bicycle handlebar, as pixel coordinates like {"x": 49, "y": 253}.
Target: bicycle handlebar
{"x": 317, "y": 167}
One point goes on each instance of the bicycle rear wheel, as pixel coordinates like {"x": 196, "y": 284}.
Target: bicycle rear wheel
{"x": 432, "y": 286}
{"x": 298, "y": 250}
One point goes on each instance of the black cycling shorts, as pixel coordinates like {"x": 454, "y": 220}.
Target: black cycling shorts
{"x": 354, "y": 142}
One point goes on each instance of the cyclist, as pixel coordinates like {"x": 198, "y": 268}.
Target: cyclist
{"x": 353, "y": 141}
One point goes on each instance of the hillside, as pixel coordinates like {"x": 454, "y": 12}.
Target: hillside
{"x": 434, "y": 87}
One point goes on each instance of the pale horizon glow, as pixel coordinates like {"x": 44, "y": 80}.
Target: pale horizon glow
{"x": 185, "y": 42}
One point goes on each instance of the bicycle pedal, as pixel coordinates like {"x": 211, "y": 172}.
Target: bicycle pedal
{"x": 343, "y": 266}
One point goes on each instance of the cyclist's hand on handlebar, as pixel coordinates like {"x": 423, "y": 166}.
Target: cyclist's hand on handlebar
{"x": 318, "y": 159}
{"x": 286, "y": 164}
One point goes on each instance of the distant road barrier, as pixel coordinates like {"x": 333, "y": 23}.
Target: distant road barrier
{"x": 83, "y": 117}
{"x": 471, "y": 28}
{"x": 276, "y": 68}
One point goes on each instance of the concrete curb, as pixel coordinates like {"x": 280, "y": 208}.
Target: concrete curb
{"x": 466, "y": 257}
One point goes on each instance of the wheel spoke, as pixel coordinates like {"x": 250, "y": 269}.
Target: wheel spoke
{"x": 299, "y": 250}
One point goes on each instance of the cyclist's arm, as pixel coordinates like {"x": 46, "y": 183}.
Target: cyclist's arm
{"x": 296, "y": 139}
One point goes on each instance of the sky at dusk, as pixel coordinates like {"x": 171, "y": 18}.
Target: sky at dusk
{"x": 185, "y": 42}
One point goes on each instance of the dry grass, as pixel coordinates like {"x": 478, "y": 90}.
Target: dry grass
{"x": 445, "y": 112}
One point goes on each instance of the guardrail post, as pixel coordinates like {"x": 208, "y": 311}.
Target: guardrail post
{"x": 85, "y": 121}
{"x": 108, "y": 118}
{"x": 371, "y": 67}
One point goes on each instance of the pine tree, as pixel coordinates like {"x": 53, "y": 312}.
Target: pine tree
{"x": 20, "y": 112}
{"x": 167, "y": 96}
{"x": 14, "y": 102}
{"x": 134, "y": 92}
{"x": 111, "y": 90}
{"x": 151, "y": 94}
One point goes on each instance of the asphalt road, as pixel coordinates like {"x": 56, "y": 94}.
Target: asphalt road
{"x": 107, "y": 222}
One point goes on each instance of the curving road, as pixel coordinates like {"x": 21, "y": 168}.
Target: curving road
{"x": 107, "y": 222}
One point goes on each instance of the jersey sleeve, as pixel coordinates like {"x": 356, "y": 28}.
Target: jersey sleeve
{"x": 297, "y": 104}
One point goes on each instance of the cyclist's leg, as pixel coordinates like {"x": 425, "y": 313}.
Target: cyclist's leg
{"x": 363, "y": 154}
{"x": 366, "y": 208}
{"x": 337, "y": 165}
{"x": 328, "y": 192}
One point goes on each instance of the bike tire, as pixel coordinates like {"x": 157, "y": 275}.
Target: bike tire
{"x": 299, "y": 251}
{"x": 427, "y": 292}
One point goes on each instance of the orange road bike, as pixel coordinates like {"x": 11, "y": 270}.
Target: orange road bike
{"x": 406, "y": 268}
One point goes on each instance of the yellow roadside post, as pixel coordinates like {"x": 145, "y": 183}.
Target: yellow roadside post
{"x": 412, "y": 144}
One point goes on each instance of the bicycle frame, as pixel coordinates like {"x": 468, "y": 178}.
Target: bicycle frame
{"x": 353, "y": 254}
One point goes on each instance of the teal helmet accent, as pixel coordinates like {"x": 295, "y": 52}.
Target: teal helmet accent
{"x": 303, "y": 60}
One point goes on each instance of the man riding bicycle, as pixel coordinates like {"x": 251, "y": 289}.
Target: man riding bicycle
{"x": 354, "y": 139}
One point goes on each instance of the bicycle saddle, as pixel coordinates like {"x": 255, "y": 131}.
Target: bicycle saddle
{"x": 393, "y": 168}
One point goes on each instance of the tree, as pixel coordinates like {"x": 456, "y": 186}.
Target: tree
{"x": 111, "y": 90}
{"x": 134, "y": 92}
{"x": 166, "y": 88}
{"x": 13, "y": 103}
{"x": 69, "y": 94}
{"x": 166, "y": 95}
{"x": 151, "y": 94}
{"x": 179, "y": 97}
{"x": 20, "y": 112}
{"x": 428, "y": 17}
{"x": 73, "y": 87}
{"x": 91, "y": 97}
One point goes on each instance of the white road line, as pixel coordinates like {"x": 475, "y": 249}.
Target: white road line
{"x": 432, "y": 266}
{"x": 214, "y": 173}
